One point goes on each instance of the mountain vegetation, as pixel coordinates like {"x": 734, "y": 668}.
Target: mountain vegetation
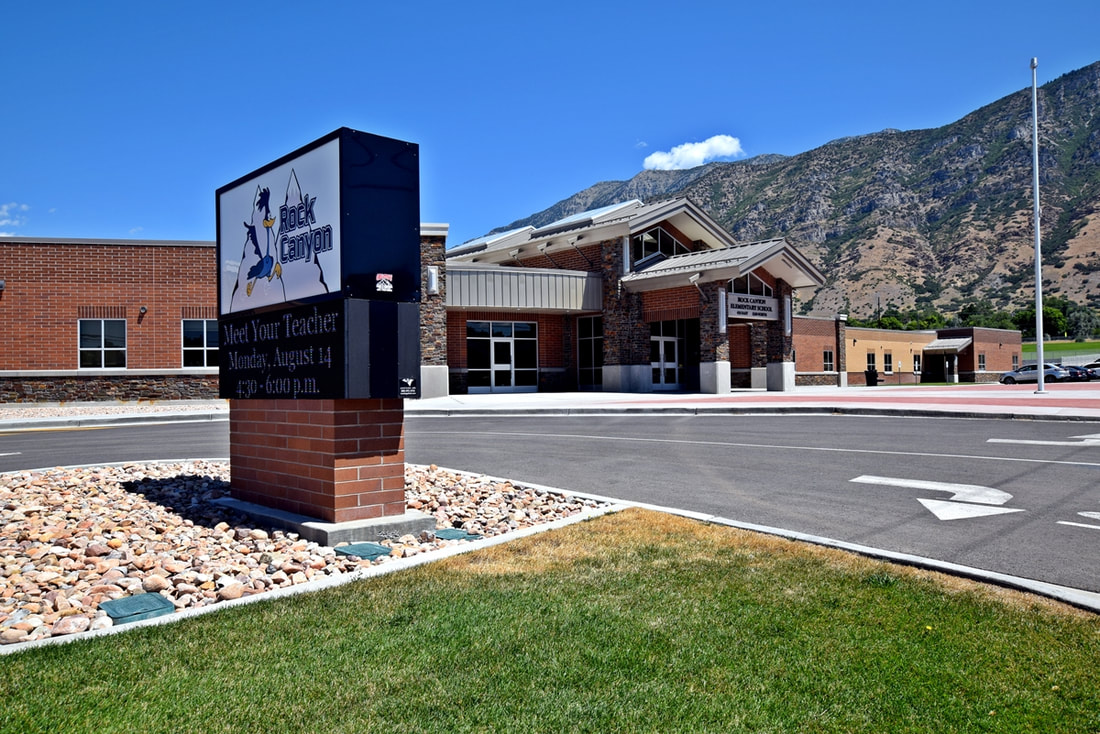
{"x": 914, "y": 220}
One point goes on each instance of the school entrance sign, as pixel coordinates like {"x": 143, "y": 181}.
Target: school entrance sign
{"x": 319, "y": 273}
{"x": 318, "y": 291}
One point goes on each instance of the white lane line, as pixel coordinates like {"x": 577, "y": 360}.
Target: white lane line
{"x": 731, "y": 444}
{"x": 13, "y": 453}
{"x": 1078, "y": 524}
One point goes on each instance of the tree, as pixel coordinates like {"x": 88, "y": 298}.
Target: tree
{"x": 1082, "y": 323}
{"x": 1054, "y": 321}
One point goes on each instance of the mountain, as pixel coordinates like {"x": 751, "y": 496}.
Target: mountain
{"x": 916, "y": 218}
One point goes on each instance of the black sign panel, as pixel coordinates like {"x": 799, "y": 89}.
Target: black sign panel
{"x": 291, "y": 353}
{"x": 332, "y": 350}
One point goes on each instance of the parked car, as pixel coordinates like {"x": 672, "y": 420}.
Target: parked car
{"x": 1081, "y": 374}
{"x": 1029, "y": 373}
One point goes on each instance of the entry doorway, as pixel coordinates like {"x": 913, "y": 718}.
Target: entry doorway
{"x": 664, "y": 358}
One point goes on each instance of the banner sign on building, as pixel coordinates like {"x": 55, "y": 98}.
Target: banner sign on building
{"x": 319, "y": 273}
{"x": 762, "y": 308}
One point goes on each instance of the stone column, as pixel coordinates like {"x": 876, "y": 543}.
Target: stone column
{"x": 781, "y": 343}
{"x": 434, "y": 373}
{"x": 841, "y": 350}
{"x": 625, "y": 332}
{"x": 714, "y": 344}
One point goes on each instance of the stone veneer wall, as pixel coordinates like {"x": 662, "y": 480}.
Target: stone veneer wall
{"x": 433, "y": 312}
{"x": 89, "y": 388}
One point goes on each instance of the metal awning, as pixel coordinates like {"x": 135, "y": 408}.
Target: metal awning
{"x": 947, "y": 346}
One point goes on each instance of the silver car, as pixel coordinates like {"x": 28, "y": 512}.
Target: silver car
{"x": 1029, "y": 373}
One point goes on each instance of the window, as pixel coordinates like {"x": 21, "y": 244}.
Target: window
{"x": 981, "y": 362}
{"x": 871, "y": 360}
{"x": 102, "y": 344}
{"x": 589, "y": 351}
{"x": 654, "y": 242}
{"x": 502, "y": 356}
{"x": 827, "y": 361}
{"x": 888, "y": 363}
{"x": 916, "y": 363}
{"x": 1015, "y": 361}
{"x": 751, "y": 285}
{"x": 200, "y": 342}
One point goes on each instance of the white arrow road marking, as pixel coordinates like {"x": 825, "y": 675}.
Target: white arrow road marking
{"x": 963, "y": 492}
{"x": 945, "y": 510}
{"x": 1092, "y": 439}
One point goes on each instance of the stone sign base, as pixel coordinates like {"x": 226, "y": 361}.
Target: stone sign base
{"x": 336, "y": 461}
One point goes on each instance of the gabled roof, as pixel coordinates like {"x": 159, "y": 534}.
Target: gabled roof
{"x": 723, "y": 257}
{"x": 777, "y": 256}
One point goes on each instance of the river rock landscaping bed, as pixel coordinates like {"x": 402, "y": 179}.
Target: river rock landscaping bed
{"x": 73, "y": 538}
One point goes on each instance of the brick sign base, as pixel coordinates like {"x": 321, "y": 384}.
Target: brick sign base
{"x": 334, "y": 460}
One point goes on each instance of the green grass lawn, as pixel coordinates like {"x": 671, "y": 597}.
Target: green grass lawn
{"x": 1056, "y": 348}
{"x": 632, "y": 622}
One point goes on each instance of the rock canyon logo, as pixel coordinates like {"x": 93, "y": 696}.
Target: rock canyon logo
{"x": 287, "y": 223}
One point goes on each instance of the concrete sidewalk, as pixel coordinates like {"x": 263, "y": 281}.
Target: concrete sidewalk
{"x": 1073, "y": 401}
{"x": 1061, "y": 401}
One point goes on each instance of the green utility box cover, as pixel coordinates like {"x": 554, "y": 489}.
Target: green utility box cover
{"x": 455, "y": 534}
{"x": 369, "y": 551}
{"x": 135, "y": 608}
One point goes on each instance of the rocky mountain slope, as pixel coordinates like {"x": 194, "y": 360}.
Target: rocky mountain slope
{"x": 917, "y": 218}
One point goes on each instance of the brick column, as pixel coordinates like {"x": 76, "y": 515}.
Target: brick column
{"x": 333, "y": 460}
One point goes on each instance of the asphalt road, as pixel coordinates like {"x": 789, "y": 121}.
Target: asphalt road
{"x": 1005, "y": 496}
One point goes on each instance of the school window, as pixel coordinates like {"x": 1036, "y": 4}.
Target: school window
{"x": 827, "y": 360}
{"x": 1015, "y": 361}
{"x": 916, "y": 363}
{"x": 871, "y": 360}
{"x": 751, "y": 285}
{"x": 888, "y": 363}
{"x": 200, "y": 342}
{"x": 981, "y": 362}
{"x": 102, "y": 343}
{"x": 652, "y": 243}
{"x": 589, "y": 351}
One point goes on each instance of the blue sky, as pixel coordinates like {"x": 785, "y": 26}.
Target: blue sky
{"x": 122, "y": 118}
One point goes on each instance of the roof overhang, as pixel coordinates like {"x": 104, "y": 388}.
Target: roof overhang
{"x": 947, "y": 346}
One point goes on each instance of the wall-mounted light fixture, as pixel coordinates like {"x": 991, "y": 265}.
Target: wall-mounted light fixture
{"x": 143, "y": 310}
{"x": 2, "y": 285}
{"x": 433, "y": 280}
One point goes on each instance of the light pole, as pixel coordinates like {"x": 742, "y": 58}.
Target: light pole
{"x": 1039, "y": 366}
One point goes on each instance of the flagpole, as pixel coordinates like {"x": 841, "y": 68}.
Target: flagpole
{"x": 1039, "y": 365}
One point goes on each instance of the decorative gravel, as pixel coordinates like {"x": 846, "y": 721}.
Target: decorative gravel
{"x": 72, "y": 538}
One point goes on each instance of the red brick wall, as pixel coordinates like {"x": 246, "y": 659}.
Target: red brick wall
{"x": 551, "y": 333}
{"x": 50, "y": 286}
{"x": 671, "y": 304}
{"x": 334, "y": 460}
{"x": 567, "y": 259}
{"x": 811, "y": 338}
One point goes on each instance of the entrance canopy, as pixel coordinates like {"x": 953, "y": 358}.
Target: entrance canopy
{"x": 947, "y": 346}
{"x": 777, "y": 257}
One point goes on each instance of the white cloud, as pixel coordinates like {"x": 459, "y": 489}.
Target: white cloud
{"x": 136, "y": 230}
{"x": 689, "y": 155}
{"x": 13, "y": 214}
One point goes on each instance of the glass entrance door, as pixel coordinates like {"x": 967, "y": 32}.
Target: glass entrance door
{"x": 502, "y": 364}
{"x": 663, "y": 357}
